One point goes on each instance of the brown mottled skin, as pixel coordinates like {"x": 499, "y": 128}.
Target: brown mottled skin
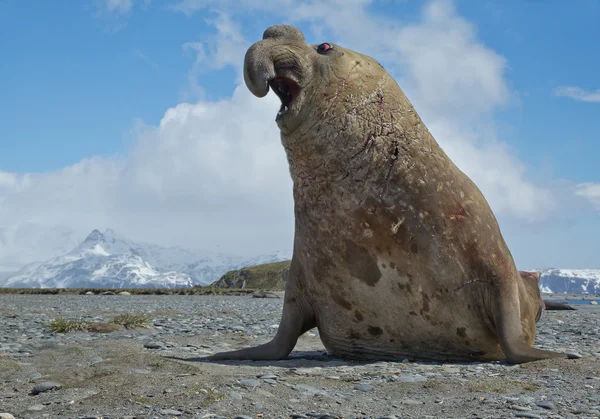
{"x": 396, "y": 251}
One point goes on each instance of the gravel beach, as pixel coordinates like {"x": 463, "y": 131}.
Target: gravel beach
{"x": 129, "y": 373}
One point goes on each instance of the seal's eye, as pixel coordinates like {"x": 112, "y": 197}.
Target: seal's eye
{"x": 324, "y": 48}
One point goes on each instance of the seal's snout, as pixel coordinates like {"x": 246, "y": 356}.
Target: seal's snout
{"x": 283, "y": 31}
{"x": 274, "y": 63}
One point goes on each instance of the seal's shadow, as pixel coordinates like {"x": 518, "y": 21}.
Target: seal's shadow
{"x": 307, "y": 359}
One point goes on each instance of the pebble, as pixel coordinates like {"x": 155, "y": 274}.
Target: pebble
{"x": 34, "y": 376}
{"x": 154, "y": 345}
{"x": 364, "y": 387}
{"x": 6, "y": 416}
{"x": 171, "y": 412}
{"x": 527, "y": 415}
{"x": 36, "y": 408}
{"x": 574, "y": 355}
{"x": 235, "y": 395}
{"x": 45, "y": 386}
{"x": 249, "y": 382}
{"x": 546, "y": 405}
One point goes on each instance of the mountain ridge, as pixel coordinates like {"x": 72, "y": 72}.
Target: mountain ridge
{"x": 109, "y": 260}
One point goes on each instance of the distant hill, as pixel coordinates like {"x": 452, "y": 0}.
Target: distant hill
{"x": 270, "y": 276}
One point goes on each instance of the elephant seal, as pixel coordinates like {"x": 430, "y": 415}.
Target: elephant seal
{"x": 533, "y": 277}
{"x": 396, "y": 252}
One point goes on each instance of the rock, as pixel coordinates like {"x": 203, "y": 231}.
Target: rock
{"x": 45, "y": 386}
{"x": 34, "y": 376}
{"x": 267, "y": 377}
{"x": 36, "y": 408}
{"x": 411, "y": 402}
{"x": 154, "y": 345}
{"x": 235, "y": 395}
{"x": 6, "y": 416}
{"x": 408, "y": 378}
{"x": 170, "y": 412}
{"x": 520, "y": 408}
{"x": 546, "y": 405}
{"x": 527, "y": 415}
{"x": 124, "y": 293}
{"x": 89, "y": 293}
{"x": 249, "y": 382}
{"x": 243, "y": 417}
{"x": 364, "y": 387}
{"x": 574, "y": 355}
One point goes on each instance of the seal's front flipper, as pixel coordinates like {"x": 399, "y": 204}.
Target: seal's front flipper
{"x": 294, "y": 322}
{"x": 507, "y": 319}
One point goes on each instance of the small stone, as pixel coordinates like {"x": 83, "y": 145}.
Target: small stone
{"x": 268, "y": 377}
{"x": 527, "y": 415}
{"x": 520, "y": 408}
{"x": 364, "y": 387}
{"x": 154, "y": 345}
{"x": 546, "y": 405}
{"x": 235, "y": 395}
{"x": 124, "y": 293}
{"x": 45, "y": 386}
{"x": 171, "y": 412}
{"x": 6, "y": 416}
{"x": 242, "y": 417}
{"x": 36, "y": 408}
{"x": 96, "y": 360}
{"x": 408, "y": 378}
{"x": 249, "y": 382}
{"x": 34, "y": 376}
{"x": 574, "y": 355}
{"x": 410, "y": 402}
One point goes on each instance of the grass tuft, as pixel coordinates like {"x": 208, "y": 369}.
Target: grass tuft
{"x": 131, "y": 321}
{"x": 65, "y": 326}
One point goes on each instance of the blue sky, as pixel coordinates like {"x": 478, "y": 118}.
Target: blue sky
{"x": 81, "y": 79}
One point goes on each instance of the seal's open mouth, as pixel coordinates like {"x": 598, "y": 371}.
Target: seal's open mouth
{"x": 287, "y": 90}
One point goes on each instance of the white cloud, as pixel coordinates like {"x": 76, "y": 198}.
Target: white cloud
{"x": 591, "y": 191}
{"x": 120, "y": 7}
{"x": 226, "y": 48}
{"x": 214, "y": 174}
{"x": 210, "y": 175}
{"x": 578, "y": 93}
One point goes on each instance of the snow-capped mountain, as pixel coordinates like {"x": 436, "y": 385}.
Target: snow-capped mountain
{"x": 108, "y": 260}
{"x": 570, "y": 281}
{"x": 100, "y": 261}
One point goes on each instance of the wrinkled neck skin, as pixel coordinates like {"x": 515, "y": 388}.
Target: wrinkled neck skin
{"x": 351, "y": 143}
